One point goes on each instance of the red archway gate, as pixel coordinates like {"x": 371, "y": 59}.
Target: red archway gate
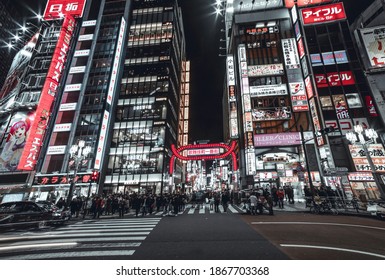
{"x": 212, "y": 154}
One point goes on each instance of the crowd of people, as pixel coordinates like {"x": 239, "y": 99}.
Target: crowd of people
{"x": 143, "y": 204}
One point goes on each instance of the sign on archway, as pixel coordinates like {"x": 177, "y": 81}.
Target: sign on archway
{"x": 203, "y": 152}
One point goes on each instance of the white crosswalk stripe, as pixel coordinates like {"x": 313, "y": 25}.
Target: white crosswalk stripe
{"x": 205, "y": 209}
{"x": 89, "y": 238}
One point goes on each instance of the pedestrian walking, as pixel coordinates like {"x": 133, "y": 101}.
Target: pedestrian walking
{"x": 281, "y": 196}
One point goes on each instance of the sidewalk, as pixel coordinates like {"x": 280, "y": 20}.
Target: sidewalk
{"x": 301, "y": 207}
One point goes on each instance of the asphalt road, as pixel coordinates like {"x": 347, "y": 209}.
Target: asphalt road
{"x": 218, "y": 236}
{"x": 304, "y": 236}
{"x": 212, "y": 237}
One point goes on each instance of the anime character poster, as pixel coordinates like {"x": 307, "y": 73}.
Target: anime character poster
{"x": 12, "y": 83}
{"x": 14, "y": 140}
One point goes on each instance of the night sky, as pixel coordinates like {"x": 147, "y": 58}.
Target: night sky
{"x": 202, "y": 29}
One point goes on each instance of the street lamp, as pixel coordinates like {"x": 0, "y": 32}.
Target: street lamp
{"x": 78, "y": 152}
{"x": 358, "y": 137}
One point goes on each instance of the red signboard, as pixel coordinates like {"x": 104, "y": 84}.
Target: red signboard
{"x": 59, "y": 8}
{"x": 321, "y": 14}
{"x": 334, "y": 79}
{"x": 302, "y": 3}
{"x": 43, "y": 111}
{"x": 370, "y": 106}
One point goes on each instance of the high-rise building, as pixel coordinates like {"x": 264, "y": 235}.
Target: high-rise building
{"x": 117, "y": 84}
{"x": 295, "y": 87}
{"x": 8, "y": 25}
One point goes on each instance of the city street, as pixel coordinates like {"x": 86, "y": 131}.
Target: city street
{"x": 204, "y": 235}
{"x": 305, "y": 236}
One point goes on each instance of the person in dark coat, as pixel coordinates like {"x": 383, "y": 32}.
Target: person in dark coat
{"x": 225, "y": 200}
{"x": 136, "y": 203}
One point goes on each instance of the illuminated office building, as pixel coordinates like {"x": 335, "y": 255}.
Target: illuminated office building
{"x": 105, "y": 75}
{"x": 292, "y": 68}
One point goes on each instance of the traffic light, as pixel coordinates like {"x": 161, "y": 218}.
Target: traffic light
{"x": 326, "y": 130}
{"x": 94, "y": 176}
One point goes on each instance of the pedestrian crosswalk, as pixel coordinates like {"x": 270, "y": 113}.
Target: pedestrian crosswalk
{"x": 205, "y": 209}
{"x": 99, "y": 239}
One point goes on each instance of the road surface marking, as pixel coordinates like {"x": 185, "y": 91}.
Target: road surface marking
{"x": 332, "y": 248}
{"x": 109, "y": 253}
{"x": 18, "y": 247}
{"x": 313, "y": 223}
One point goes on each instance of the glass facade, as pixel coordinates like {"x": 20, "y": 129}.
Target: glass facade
{"x": 146, "y": 116}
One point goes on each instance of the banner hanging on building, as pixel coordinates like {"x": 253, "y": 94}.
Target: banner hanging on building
{"x": 48, "y": 93}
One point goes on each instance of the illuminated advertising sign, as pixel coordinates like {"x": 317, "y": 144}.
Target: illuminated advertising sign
{"x": 341, "y": 106}
{"x": 345, "y": 125}
{"x": 303, "y": 3}
{"x": 115, "y": 65}
{"x": 329, "y": 58}
{"x": 301, "y": 48}
{"x": 298, "y": 97}
{"x": 376, "y": 153}
{"x": 62, "y": 179}
{"x": 374, "y": 43}
{"x": 15, "y": 139}
{"x": 354, "y": 100}
{"x": 294, "y": 14}
{"x": 48, "y": 93}
{"x": 322, "y": 14}
{"x": 56, "y": 150}
{"x": 269, "y": 114}
{"x": 110, "y": 94}
{"x": 360, "y": 176}
{"x": 265, "y": 70}
{"x": 316, "y": 121}
{"x": 248, "y": 118}
{"x": 370, "y": 106}
{"x": 277, "y": 139}
{"x": 297, "y": 31}
{"x": 57, "y": 9}
{"x": 62, "y": 127}
{"x": 344, "y": 78}
{"x": 326, "y": 102}
{"x": 234, "y": 128}
{"x": 230, "y": 70}
{"x": 290, "y": 53}
{"x": 268, "y": 90}
{"x": 250, "y": 163}
{"x": 200, "y": 152}
{"x": 309, "y": 87}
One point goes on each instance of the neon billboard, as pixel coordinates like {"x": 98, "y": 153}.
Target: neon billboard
{"x": 39, "y": 125}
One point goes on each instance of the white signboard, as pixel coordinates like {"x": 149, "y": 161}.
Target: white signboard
{"x": 81, "y": 53}
{"x": 67, "y": 107}
{"x": 77, "y": 69}
{"x": 290, "y": 53}
{"x": 230, "y": 70}
{"x": 268, "y": 90}
{"x": 72, "y": 87}
{"x": 265, "y": 70}
{"x": 102, "y": 140}
{"x": 56, "y": 150}
{"x": 374, "y": 43}
{"x": 62, "y": 127}
{"x": 86, "y": 37}
{"x": 115, "y": 65}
